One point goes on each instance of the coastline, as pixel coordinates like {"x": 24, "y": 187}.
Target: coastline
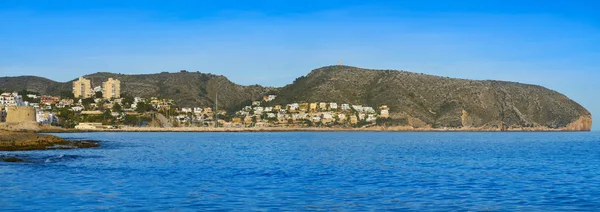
{"x": 312, "y": 129}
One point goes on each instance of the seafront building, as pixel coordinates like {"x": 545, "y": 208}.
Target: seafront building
{"x": 82, "y": 88}
{"x": 111, "y": 89}
{"x": 11, "y": 99}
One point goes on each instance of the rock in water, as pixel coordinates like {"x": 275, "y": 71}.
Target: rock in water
{"x": 12, "y": 160}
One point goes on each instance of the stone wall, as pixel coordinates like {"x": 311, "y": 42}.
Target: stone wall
{"x": 17, "y": 114}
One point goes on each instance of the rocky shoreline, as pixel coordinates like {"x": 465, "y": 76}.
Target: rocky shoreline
{"x": 23, "y": 141}
{"x": 308, "y": 129}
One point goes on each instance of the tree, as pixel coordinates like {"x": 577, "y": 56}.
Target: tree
{"x": 127, "y": 100}
{"x": 143, "y": 107}
{"x": 106, "y": 116}
{"x": 117, "y": 108}
{"x": 130, "y": 120}
{"x": 87, "y": 101}
{"x": 99, "y": 94}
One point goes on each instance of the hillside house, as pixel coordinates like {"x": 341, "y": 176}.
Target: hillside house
{"x": 313, "y": 106}
{"x": 248, "y": 119}
{"x": 345, "y": 107}
{"x": 353, "y": 119}
{"x": 323, "y": 106}
{"x": 49, "y": 100}
{"x": 258, "y": 110}
{"x": 368, "y": 110}
{"x": 384, "y": 113}
{"x": 358, "y": 108}
{"x": 362, "y": 116}
{"x": 371, "y": 118}
{"x": 269, "y": 98}
{"x": 268, "y": 109}
{"x": 316, "y": 118}
{"x": 333, "y": 106}
{"x": 303, "y": 107}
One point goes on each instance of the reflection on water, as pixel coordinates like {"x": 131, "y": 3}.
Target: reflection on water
{"x": 310, "y": 171}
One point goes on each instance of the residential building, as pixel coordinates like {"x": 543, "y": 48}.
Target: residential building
{"x": 358, "y": 108}
{"x": 49, "y": 100}
{"x": 384, "y": 113}
{"x": 313, "y": 106}
{"x": 316, "y": 118}
{"x": 97, "y": 89}
{"x": 111, "y": 88}
{"x": 77, "y": 108}
{"x": 362, "y": 116}
{"x": 82, "y": 88}
{"x": 353, "y": 119}
{"x": 371, "y": 118}
{"x": 258, "y": 110}
{"x": 47, "y": 118}
{"x": 269, "y": 98}
{"x": 323, "y": 106}
{"x": 333, "y": 106}
{"x": 368, "y": 110}
{"x": 342, "y": 117}
{"x": 293, "y": 107}
{"x": 248, "y": 119}
{"x": 11, "y": 99}
{"x": 66, "y": 102}
{"x": 345, "y": 107}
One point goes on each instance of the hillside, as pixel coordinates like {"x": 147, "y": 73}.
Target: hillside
{"x": 31, "y": 83}
{"x": 188, "y": 89}
{"x": 423, "y": 100}
{"x": 414, "y": 99}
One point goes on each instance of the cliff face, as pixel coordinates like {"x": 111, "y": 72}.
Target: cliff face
{"x": 440, "y": 102}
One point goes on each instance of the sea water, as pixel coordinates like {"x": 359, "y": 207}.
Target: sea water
{"x": 328, "y": 171}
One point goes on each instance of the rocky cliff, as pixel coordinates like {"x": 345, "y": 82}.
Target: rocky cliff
{"x": 440, "y": 102}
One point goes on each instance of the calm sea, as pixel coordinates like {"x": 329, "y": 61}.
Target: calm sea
{"x": 360, "y": 171}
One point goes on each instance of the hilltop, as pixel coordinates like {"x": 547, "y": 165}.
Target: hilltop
{"x": 417, "y": 100}
{"x": 423, "y": 100}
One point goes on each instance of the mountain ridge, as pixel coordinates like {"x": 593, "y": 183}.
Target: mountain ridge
{"x": 419, "y": 100}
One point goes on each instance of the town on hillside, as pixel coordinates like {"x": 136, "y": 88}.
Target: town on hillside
{"x": 104, "y": 107}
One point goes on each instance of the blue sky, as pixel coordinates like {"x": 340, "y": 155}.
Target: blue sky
{"x": 555, "y": 44}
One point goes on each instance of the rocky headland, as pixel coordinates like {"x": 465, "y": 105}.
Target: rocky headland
{"x": 24, "y": 137}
